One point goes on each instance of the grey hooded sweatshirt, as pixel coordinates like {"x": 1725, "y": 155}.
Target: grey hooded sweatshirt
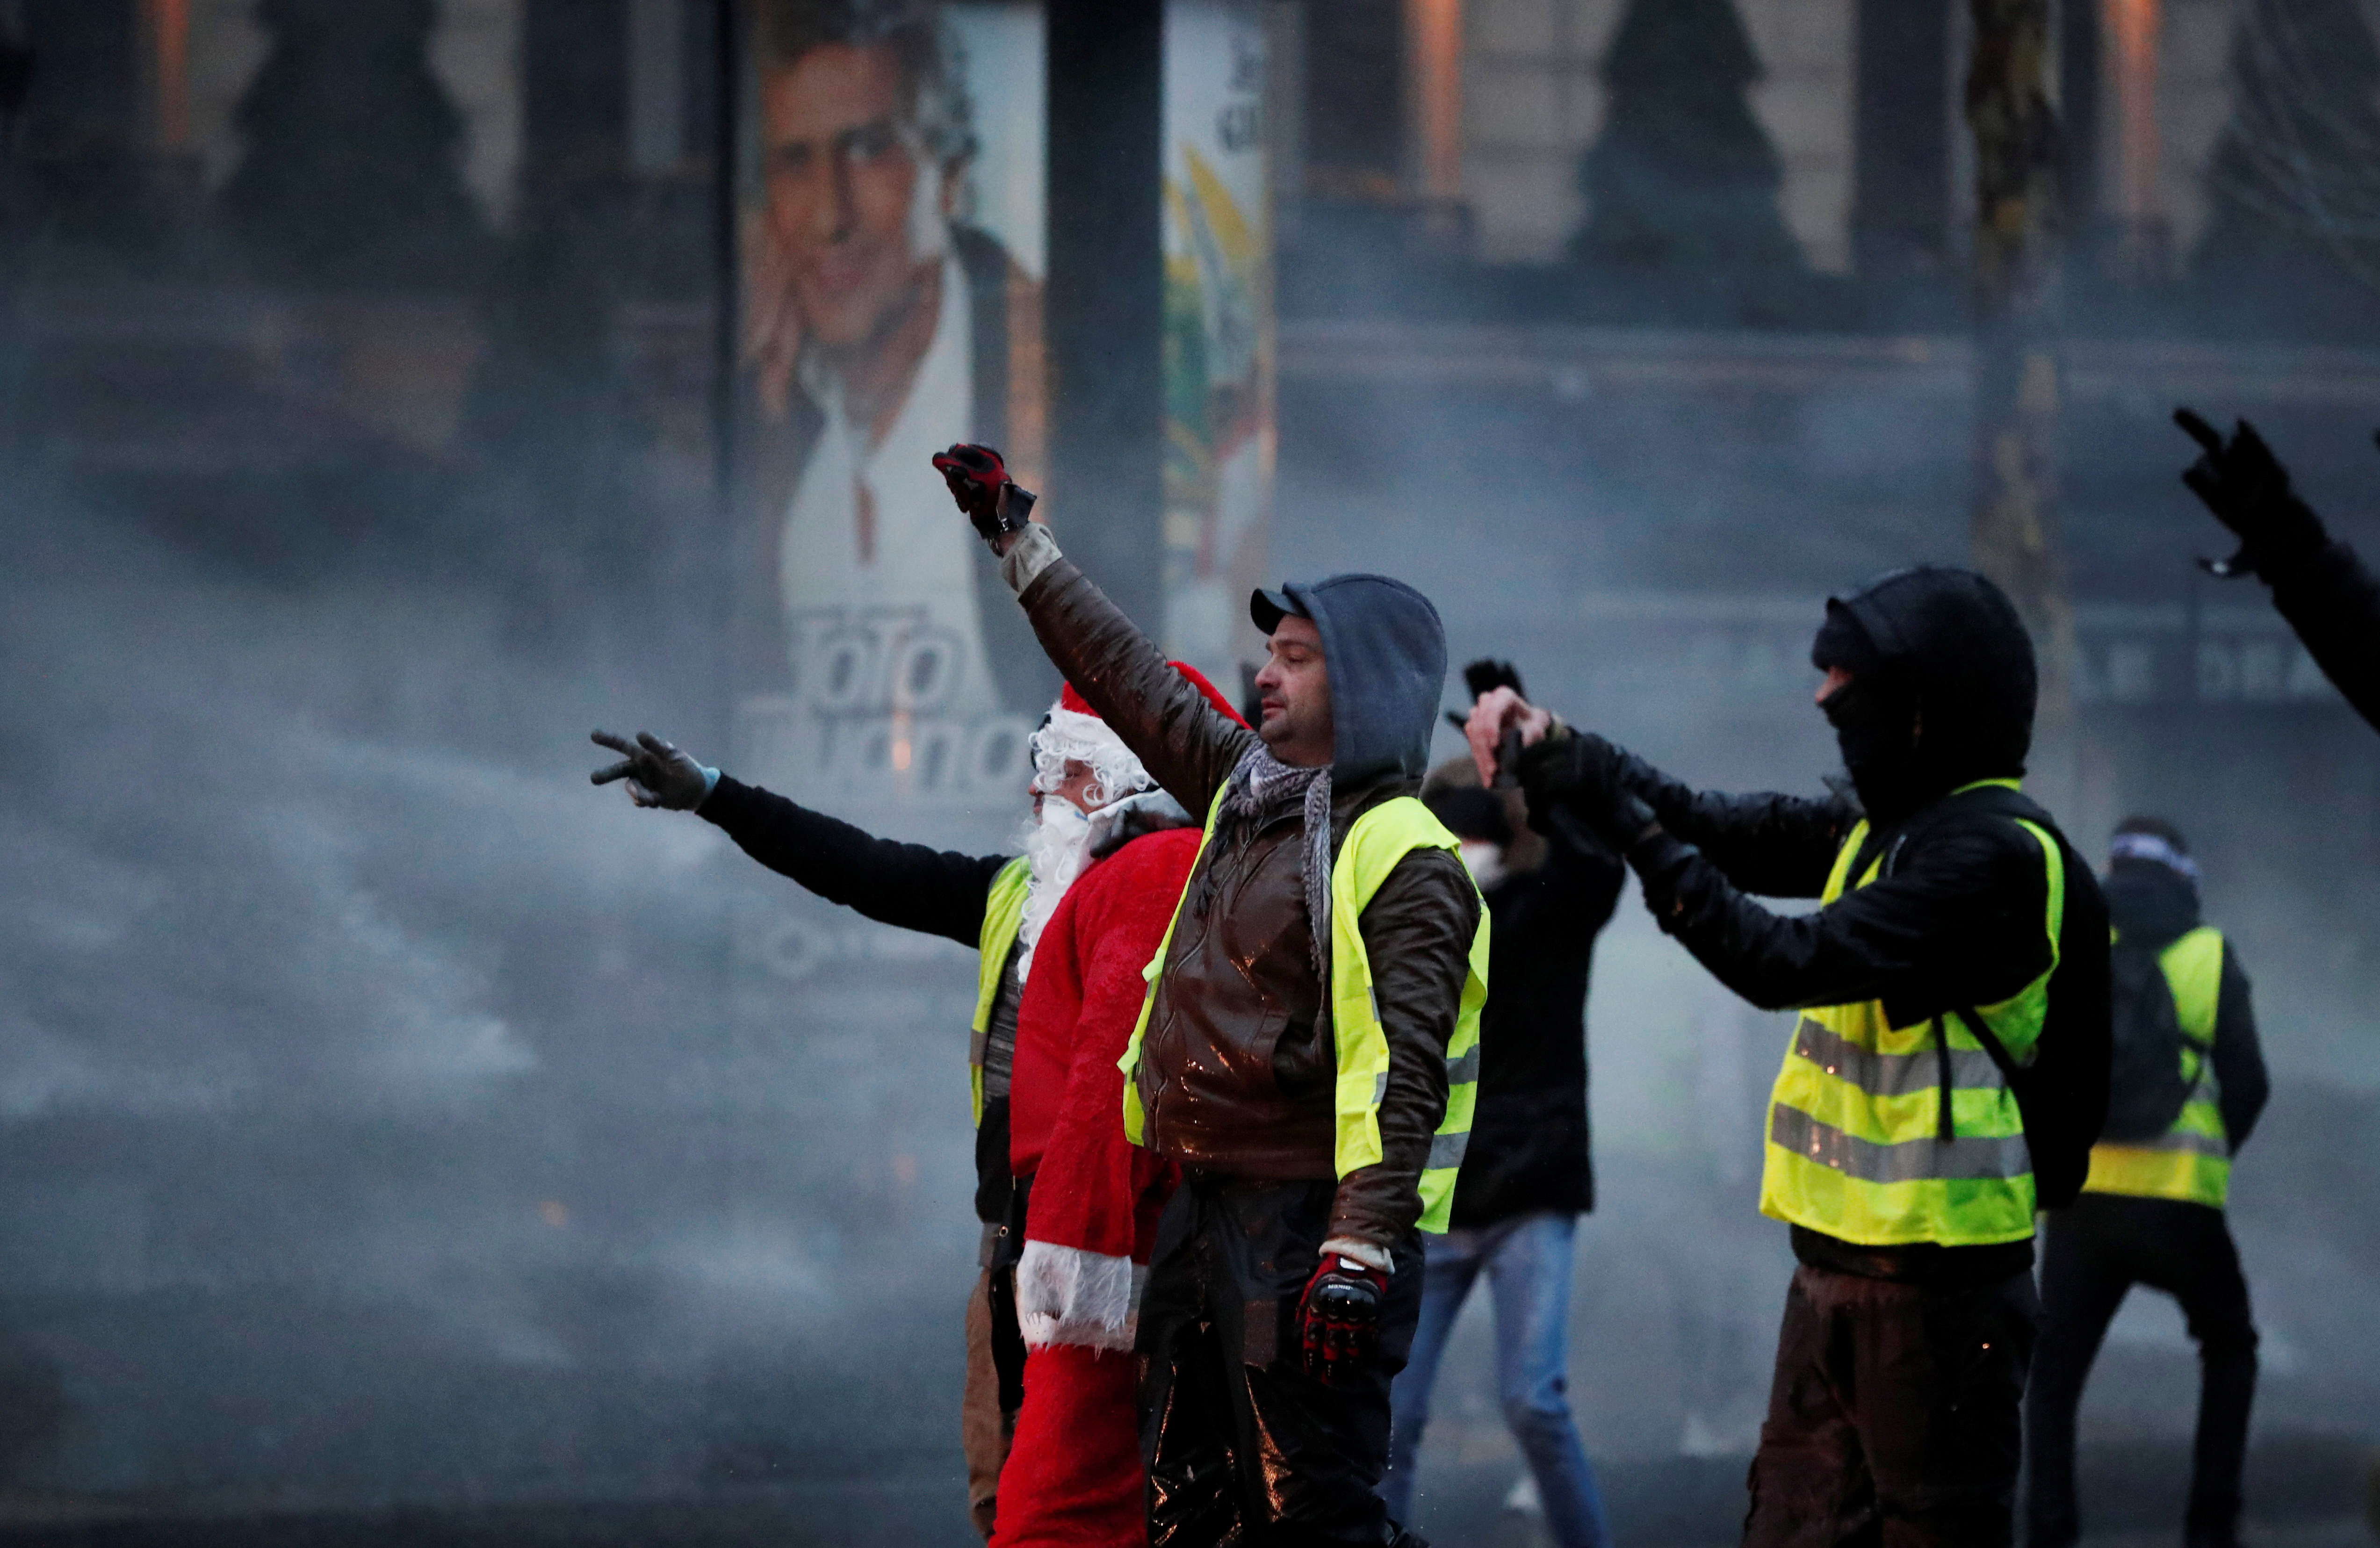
{"x": 1237, "y": 1069}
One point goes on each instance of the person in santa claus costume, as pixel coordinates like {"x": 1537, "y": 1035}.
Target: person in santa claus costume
{"x": 1089, "y": 795}
{"x": 1074, "y": 1477}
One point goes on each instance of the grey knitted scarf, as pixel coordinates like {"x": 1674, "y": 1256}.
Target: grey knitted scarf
{"x": 1263, "y": 787}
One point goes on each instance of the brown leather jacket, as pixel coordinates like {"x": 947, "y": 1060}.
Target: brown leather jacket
{"x": 1236, "y": 1068}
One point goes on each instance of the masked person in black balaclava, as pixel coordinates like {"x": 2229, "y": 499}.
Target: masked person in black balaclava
{"x": 1949, "y": 1069}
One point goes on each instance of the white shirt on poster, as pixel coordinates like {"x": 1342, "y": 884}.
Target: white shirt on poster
{"x": 877, "y": 573}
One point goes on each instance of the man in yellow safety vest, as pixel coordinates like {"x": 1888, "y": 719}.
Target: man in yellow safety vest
{"x": 1946, "y": 1074}
{"x": 1308, "y": 1047}
{"x": 2187, "y": 1084}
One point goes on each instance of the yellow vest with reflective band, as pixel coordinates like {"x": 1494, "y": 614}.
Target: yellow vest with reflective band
{"x": 1379, "y": 838}
{"x": 1855, "y": 1147}
{"x": 1003, "y": 911}
{"x": 2192, "y": 1162}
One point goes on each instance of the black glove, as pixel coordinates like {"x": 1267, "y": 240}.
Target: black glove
{"x": 2248, "y": 489}
{"x": 1591, "y": 780}
{"x": 1339, "y": 1317}
{"x": 979, "y": 482}
{"x": 657, "y": 774}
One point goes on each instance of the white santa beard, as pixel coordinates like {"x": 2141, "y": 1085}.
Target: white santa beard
{"x": 1057, "y": 847}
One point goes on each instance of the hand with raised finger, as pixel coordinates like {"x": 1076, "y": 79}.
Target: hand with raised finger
{"x": 2248, "y": 489}
{"x": 656, "y": 773}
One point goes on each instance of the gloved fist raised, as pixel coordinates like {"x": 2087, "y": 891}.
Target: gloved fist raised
{"x": 2248, "y": 489}
{"x": 978, "y": 481}
{"x": 657, "y": 774}
{"x": 1339, "y": 1317}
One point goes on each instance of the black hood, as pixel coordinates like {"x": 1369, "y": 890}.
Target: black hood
{"x": 2149, "y": 904}
{"x": 1386, "y": 653}
{"x": 1940, "y": 652}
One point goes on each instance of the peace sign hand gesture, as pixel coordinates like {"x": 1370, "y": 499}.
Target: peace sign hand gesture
{"x": 657, "y": 774}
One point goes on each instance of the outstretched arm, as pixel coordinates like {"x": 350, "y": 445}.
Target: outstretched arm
{"x": 2333, "y": 602}
{"x": 935, "y": 891}
{"x": 907, "y": 884}
{"x": 1959, "y": 923}
{"x": 1778, "y": 846}
{"x": 2319, "y": 584}
{"x": 1186, "y": 745}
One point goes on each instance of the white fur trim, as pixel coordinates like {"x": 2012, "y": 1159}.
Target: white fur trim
{"x": 1065, "y": 1295}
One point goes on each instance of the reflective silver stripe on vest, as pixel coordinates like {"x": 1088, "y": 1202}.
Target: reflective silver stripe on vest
{"x": 1966, "y": 1159}
{"x": 1464, "y": 1070}
{"x": 1893, "y": 1074}
{"x": 980, "y": 1043}
{"x": 1446, "y": 1150}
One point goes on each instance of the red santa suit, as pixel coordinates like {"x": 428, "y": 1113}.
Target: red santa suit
{"x": 1073, "y": 1476}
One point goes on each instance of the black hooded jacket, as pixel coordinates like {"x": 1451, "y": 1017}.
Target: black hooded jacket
{"x": 2153, "y": 906}
{"x": 1957, "y": 919}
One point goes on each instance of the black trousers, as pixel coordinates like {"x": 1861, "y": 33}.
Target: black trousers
{"x": 2095, "y": 1251}
{"x": 1893, "y": 1418}
{"x": 1243, "y": 1447}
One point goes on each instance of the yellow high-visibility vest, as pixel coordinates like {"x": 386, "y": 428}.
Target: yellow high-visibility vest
{"x": 2191, "y": 1161}
{"x": 1379, "y": 838}
{"x": 1855, "y": 1148}
{"x": 1003, "y": 912}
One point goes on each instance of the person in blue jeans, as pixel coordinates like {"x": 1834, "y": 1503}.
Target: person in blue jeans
{"x": 1526, "y": 1178}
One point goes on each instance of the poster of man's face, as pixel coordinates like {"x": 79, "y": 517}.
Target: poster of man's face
{"x": 893, "y": 240}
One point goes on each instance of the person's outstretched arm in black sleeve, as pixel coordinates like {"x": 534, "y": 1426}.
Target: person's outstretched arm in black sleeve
{"x": 1777, "y": 846}
{"x": 935, "y": 892}
{"x": 2319, "y": 584}
{"x": 2239, "y": 1059}
{"x": 1959, "y": 922}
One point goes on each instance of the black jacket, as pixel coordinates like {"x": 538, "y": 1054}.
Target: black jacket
{"x": 2333, "y": 602}
{"x": 1955, "y": 917}
{"x": 1529, "y": 1133}
{"x": 2153, "y": 906}
{"x": 935, "y": 892}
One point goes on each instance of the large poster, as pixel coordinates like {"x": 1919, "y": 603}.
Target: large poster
{"x": 893, "y": 245}
{"x": 895, "y": 257}
{"x": 1219, "y": 329}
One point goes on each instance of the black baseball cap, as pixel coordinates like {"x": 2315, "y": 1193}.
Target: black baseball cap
{"x": 1267, "y": 609}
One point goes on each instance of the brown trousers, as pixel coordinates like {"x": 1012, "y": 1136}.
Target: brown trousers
{"x": 1893, "y": 1420}
{"x": 985, "y": 1428}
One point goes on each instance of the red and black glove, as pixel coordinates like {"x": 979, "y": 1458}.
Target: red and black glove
{"x": 980, "y": 484}
{"x": 1339, "y": 1317}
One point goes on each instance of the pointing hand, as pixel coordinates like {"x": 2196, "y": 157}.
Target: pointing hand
{"x": 2248, "y": 489}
